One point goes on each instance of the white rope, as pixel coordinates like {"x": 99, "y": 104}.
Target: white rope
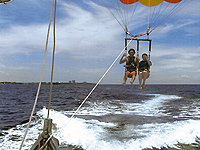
{"x": 176, "y": 9}
{"x": 41, "y": 78}
{"x": 113, "y": 15}
{"x": 53, "y": 57}
{"x": 95, "y": 86}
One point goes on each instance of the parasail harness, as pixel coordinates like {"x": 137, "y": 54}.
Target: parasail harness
{"x": 127, "y": 40}
{"x": 134, "y": 36}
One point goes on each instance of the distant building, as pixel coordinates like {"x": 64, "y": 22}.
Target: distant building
{"x": 72, "y": 82}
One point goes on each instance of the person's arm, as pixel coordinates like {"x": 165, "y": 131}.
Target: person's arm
{"x": 122, "y": 60}
{"x": 148, "y": 61}
{"x": 137, "y": 61}
{"x": 138, "y": 67}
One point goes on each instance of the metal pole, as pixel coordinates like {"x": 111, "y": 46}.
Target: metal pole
{"x": 138, "y": 44}
{"x": 138, "y": 47}
{"x": 149, "y": 49}
{"x": 125, "y": 44}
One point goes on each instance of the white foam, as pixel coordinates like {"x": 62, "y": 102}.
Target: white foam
{"x": 150, "y": 107}
{"x": 169, "y": 134}
{"x": 99, "y": 108}
{"x": 156, "y": 135}
{"x": 91, "y": 134}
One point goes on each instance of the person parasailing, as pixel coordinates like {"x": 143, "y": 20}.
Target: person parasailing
{"x": 132, "y": 63}
{"x": 143, "y": 70}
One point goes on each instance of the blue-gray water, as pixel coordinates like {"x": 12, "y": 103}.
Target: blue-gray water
{"x": 114, "y": 116}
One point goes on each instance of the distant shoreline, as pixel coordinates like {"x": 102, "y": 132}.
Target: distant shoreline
{"x": 44, "y": 83}
{"x": 181, "y": 84}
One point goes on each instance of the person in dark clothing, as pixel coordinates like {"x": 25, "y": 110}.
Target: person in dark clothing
{"x": 131, "y": 65}
{"x": 143, "y": 70}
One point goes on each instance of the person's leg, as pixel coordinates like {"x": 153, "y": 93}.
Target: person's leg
{"x": 125, "y": 77}
{"x": 140, "y": 80}
{"x": 148, "y": 72}
{"x": 145, "y": 76}
{"x": 133, "y": 76}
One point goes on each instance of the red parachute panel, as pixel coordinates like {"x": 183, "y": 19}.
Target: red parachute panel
{"x": 128, "y": 1}
{"x": 173, "y": 1}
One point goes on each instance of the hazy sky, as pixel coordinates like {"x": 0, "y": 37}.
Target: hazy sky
{"x": 88, "y": 39}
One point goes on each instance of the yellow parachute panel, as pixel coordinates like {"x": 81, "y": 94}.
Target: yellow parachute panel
{"x": 150, "y": 2}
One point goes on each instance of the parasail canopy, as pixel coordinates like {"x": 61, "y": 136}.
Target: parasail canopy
{"x": 143, "y": 16}
{"x": 149, "y": 2}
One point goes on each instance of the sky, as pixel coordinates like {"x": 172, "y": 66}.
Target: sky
{"x": 89, "y": 39}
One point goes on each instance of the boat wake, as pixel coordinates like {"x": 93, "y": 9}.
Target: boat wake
{"x": 111, "y": 125}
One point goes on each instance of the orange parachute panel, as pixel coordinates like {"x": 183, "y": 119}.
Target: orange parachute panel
{"x": 128, "y": 1}
{"x": 151, "y": 2}
{"x": 173, "y": 1}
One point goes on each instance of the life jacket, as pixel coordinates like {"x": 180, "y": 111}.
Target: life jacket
{"x": 143, "y": 65}
{"x": 131, "y": 64}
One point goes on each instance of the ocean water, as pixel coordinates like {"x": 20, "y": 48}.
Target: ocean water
{"x": 115, "y": 117}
